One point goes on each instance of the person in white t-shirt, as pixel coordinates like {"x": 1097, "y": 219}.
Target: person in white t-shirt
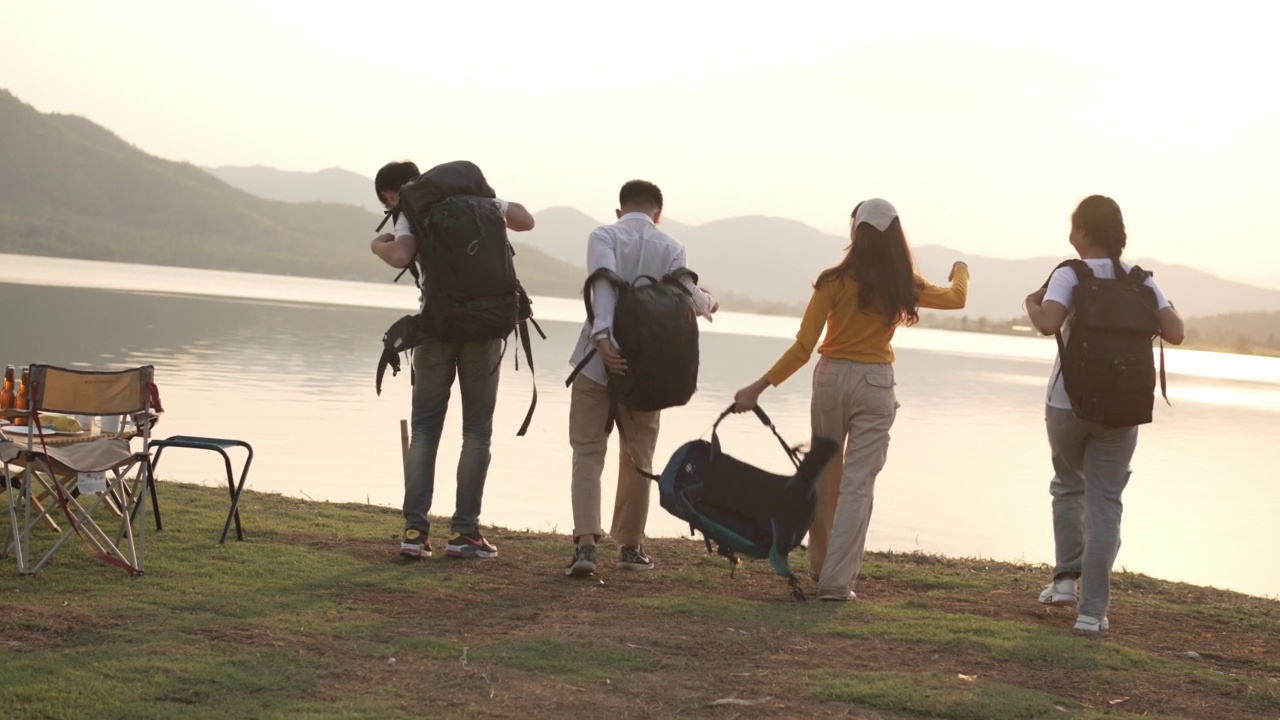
{"x": 1090, "y": 460}
{"x": 435, "y": 364}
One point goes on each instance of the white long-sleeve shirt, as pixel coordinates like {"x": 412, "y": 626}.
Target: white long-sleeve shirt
{"x": 632, "y": 247}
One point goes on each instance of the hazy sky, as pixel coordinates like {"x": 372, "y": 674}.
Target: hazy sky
{"x": 983, "y": 122}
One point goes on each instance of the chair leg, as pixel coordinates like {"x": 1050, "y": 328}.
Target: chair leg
{"x": 13, "y": 541}
{"x": 235, "y": 490}
{"x": 151, "y": 482}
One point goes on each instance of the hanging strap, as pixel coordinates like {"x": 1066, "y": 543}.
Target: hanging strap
{"x": 522, "y": 329}
{"x": 615, "y": 420}
{"x": 577, "y": 369}
{"x": 1163, "y": 390}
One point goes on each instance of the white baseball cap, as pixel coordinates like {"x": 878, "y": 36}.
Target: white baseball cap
{"x": 878, "y": 213}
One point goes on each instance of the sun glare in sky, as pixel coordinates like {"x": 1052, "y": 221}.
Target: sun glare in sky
{"x": 983, "y": 123}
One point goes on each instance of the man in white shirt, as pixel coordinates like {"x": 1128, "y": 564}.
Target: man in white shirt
{"x": 435, "y": 365}
{"x": 632, "y": 247}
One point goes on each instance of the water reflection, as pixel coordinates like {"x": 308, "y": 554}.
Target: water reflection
{"x": 968, "y": 470}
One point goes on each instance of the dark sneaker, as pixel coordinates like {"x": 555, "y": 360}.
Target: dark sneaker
{"x": 414, "y": 544}
{"x": 583, "y": 562}
{"x": 471, "y": 545}
{"x": 633, "y": 558}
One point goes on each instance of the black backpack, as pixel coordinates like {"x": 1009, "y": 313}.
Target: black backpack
{"x": 1107, "y": 365}
{"x": 742, "y": 509}
{"x": 655, "y": 325}
{"x": 464, "y": 268}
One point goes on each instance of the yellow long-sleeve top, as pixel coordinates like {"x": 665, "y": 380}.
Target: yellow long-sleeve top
{"x": 853, "y": 334}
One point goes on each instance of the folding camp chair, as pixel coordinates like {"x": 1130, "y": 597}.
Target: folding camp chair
{"x": 73, "y": 480}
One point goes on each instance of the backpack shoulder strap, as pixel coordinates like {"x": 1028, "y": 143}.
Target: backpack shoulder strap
{"x": 393, "y": 215}
{"x": 612, "y": 277}
{"x": 1064, "y": 263}
{"x": 1138, "y": 276}
{"x": 675, "y": 276}
{"x": 1081, "y": 268}
{"x": 618, "y": 283}
{"x": 1083, "y": 272}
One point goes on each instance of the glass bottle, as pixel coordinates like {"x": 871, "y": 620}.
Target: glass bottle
{"x": 22, "y": 402}
{"x": 7, "y": 396}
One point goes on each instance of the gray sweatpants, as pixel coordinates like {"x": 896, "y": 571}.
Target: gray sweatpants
{"x": 1091, "y": 470}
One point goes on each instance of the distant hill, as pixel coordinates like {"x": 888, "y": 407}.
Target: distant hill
{"x": 333, "y": 185}
{"x": 775, "y": 259}
{"x": 70, "y": 188}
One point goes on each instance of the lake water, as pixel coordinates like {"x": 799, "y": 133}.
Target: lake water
{"x": 288, "y": 364}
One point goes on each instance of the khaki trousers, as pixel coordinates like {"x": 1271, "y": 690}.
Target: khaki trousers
{"x": 855, "y": 405}
{"x": 588, "y": 411}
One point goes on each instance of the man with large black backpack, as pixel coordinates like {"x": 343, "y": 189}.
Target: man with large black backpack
{"x": 637, "y": 354}
{"x": 450, "y": 232}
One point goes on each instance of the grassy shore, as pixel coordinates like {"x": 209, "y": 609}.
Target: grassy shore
{"x": 316, "y": 615}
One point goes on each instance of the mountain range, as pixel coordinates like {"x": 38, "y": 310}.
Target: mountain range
{"x": 70, "y": 188}
{"x": 774, "y": 260}
{"x": 332, "y": 185}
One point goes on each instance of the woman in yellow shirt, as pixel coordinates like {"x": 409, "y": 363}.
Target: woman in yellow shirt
{"x": 860, "y": 302}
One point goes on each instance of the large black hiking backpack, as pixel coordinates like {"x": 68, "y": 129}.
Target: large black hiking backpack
{"x": 742, "y": 509}
{"x": 464, "y": 268}
{"x": 655, "y": 325}
{"x": 1107, "y": 365}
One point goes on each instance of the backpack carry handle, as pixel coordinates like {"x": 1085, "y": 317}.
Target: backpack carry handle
{"x": 764, "y": 420}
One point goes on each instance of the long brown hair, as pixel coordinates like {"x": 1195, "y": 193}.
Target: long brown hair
{"x": 881, "y": 263}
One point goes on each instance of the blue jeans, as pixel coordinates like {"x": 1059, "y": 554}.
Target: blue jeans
{"x": 434, "y": 366}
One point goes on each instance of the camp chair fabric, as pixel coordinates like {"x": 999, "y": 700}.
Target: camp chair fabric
{"x": 55, "y": 472}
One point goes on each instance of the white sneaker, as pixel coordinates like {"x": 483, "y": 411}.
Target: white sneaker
{"x": 1060, "y": 592}
{"x": 1086, "y": 624}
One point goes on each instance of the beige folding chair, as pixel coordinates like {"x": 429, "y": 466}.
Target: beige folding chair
{"x": 77, "y": 479}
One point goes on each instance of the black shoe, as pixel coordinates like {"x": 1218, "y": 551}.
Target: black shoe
{"x": 414, "y": 544}
{"x": 583, "y": 562}
{"x": 633, "y": 558}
